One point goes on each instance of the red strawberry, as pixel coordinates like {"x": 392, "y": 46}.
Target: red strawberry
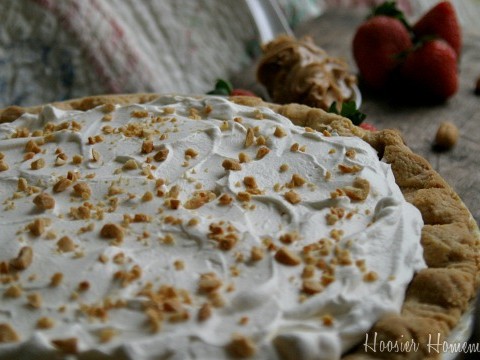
{"x": 430, "y": 71}
{"x": 241, "y": 92}
{"x": 441, "y": 21}
{"x": 368, "y": 126}
{"x": 376, "y": 46}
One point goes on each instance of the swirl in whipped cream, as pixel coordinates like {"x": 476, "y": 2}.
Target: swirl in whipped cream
{"x": 193, "y": 227}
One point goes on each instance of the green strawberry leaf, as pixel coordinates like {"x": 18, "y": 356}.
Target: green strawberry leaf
{"x": 348, "y": 110}
{"x": 389, "y": 8}
{"x": 222, "y": 87}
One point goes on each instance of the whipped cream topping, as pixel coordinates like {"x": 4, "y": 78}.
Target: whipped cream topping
{"x": 193, "y": 227}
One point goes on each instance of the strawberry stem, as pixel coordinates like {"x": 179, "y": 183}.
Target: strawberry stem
{"x": 389, "y": 8}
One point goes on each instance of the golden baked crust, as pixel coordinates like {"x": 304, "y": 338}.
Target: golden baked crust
{"x": 438, "y": 295}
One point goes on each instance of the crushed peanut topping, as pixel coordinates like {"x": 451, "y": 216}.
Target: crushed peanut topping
{"x": 68, "y": 345}
{"x": 24, "y": 258}
{"x": 14, "y": 291}
{"x": 241, "y": 346}
{"x": 112, "y": 231}
{"x": 231, "y": 164}
{"x": 292, "y": 197}
{"x": 262, "y": 152}
{"x": 37, "y": 164}
{"x": 56, "y": 279}
{"x": 346, "y": 169}
{"x": 370, "y": 276}
{"x": 8, "y": 334}
{"x": 35, "y": 300}
{"x": 82, "y": 189}
{"x": 225, "y": 199}
{"x": 161, "y": 155}
{"x": 205, "y": 312}
{"x": 44, "y": 201}
{"x": 297, "y": 181}
{"x": 45, "y": 323}
{"x": 3, "y": 165}
{"x": 250, "y": 137}
{"x": 209, "y": 282}
{"x": 62, "y": 185}
{"x": 147, "y": 147}
{"x": 256, "y": 253}
{"x": 130, "y": 165}
{"x": 243, "y": 158}
{"x": 66, "y": 244}
{"x": 191, "y": 153}
{"x": 286, "y": 257}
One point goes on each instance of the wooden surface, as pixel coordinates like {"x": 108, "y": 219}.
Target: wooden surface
{"x": 334, "y": 31}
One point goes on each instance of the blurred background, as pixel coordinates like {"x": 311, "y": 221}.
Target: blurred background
{"x": 53, "y": 50}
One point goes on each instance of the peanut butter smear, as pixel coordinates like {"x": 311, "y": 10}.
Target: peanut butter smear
{"x": 298, "y": 71}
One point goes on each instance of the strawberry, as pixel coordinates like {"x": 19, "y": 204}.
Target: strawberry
{"x": 430, "y": 71}
{"x": 368, "y": 126}
{"x": 440, "y": 21}
{"x": 242, "y": 92}
{"x": 377, "y": 44}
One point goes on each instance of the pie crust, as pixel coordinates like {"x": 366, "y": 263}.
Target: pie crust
{"x": 439, "y": 294}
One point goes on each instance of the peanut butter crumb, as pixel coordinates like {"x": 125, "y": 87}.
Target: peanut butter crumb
{"x": 286, "y": 257}
{"x": 292, "y": 197}
{"x": 370, "y": 276}
{"x": 148, "y": 196}
{"x": 65, "y": 244}
{"x": 44, "y": 201}
{"x": 205, "y": 312}
{"x": 34, "y": 300}
{"x": 32, "y": 146}
{"x": 37, "y": 164}
{"x": 161, "y": 155}
{"x": 262, "y": 152}
{"x": 312, "y": 287}
{"x": 231, "y": 164}
{"x": 24, "y": 258}
{"x": 147, "y": 147}
{"x": 190, "y": 153}
{"x": 62, "y": 185}
{"x": 14, "y": 291}
{"x": 244, "y": 196}
{"x": 112, "y": 231}
{"x": 243, "y": 158}
{"x": 297, "y": 181}
{"x": 130, "y": 165}
{"x": 56, "y": 279}
{"x": 225, "y": 199}
{"x": 45, "y": 323}
{"x": 346, "y": 169}
{"x": 256, "y": 253}
{"x": 279, "y": 132}
{"x": 241, "y": 346}
{"x": 107, "y": 334}
{"x": 82, "y": 189}
{"x": 68, "y": 345}
{"x": 250, "y": 138}
{"x": 8, "y": 334}
{"x": 179, "y": 265}
{"x": 209, "y": 282}
{"x": 77, "y": 159}
{"x": 327, "y": 320}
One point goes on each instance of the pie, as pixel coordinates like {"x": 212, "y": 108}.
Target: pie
{"x": 150, "y": 226}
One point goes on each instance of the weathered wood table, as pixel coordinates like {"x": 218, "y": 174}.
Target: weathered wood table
{"x": 334, "y": 31}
